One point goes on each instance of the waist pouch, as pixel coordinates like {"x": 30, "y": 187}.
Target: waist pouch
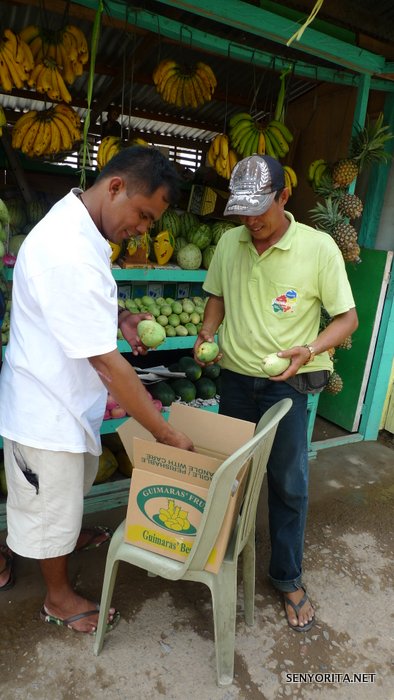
{"x": 310, "y": 382}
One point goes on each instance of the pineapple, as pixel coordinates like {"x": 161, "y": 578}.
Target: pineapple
{"x": 350, "y": 205}
{"x": 351, "y": 253}
{"x": 330, "y": 219}
{"x": 367, "y": 146}
{"x": 346, "y": 343}
{"x": 334, "y": 384}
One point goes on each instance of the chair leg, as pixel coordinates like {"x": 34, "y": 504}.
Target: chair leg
{"x": 224, "y": 601}
{"x": 249, "y": 577}
{"x": 111, "y": 571}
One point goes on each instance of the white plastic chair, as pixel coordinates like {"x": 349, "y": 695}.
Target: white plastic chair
{"x": 223, "y": 585}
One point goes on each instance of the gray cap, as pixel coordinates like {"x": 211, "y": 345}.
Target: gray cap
{"x": 253, "y": 185}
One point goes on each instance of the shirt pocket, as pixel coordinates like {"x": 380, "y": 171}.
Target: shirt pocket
{"x": 284, "y": 301}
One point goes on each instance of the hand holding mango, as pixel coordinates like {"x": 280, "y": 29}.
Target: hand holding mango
{"x": 272, "y": 365}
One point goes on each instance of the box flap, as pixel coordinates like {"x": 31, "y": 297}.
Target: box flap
{"x": 215, "y": 434}
{"x": 168, "y": 461}
{"x": 130, "y": 429}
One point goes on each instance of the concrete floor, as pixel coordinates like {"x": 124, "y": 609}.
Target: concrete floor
{"x": 163, "y": 646}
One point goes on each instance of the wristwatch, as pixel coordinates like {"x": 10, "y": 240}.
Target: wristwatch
{"x": 312, "y": 353}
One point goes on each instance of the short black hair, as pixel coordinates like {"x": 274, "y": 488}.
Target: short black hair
{"x": 144, "y": 169}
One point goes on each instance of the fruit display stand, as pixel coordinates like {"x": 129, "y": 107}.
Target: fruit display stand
{"x": 115, "y": 492}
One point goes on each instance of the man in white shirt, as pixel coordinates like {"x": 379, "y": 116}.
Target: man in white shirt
{"x": 61, "y": 360}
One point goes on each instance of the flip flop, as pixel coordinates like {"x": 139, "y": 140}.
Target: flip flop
{"x": 297, "y": 607}
{"x": 94, "y": 534}
{"x": 45, "y": 616}
{"x": 9, "y": 564}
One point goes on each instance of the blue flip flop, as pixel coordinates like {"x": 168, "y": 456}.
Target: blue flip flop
{"x": 297, "y": 607}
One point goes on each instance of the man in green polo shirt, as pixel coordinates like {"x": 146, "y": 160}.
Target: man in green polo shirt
{"x": 267, "y": 282}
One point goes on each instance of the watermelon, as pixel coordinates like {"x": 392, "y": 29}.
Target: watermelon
{"x": 17, "y": 213}
{"x": 189, "y": 257}
{"x": 205, "y": 388}
{"x": 179, "y": 243}
{"x": 188, "y": 222}
{"x": 15, "y": 243}
{"x": 219, "y": 228}
{"x": 207, "y": 256}
{"x": 169, "y": 221}
{"x": 36, "y": 210}
{"x": 201, "y": 236}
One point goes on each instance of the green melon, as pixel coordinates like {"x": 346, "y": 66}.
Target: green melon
{"x": 207, "y": 256}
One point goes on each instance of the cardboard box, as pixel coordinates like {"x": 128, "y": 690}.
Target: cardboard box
{"x": 169, "y": 486}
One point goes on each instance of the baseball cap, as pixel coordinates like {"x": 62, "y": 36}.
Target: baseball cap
{"x": 253, "y": 185}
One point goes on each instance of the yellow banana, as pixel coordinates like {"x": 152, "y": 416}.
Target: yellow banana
{"x": 77, "y": 67}
{"x": 275, "y": 143}
{"x": 209, "y": 72}
{"x": 167, "y": 74}
{"x": 36, "y": 49}
{"x": 16, "y": 72}
{"x": 204, "y": 79}
{"x": 205, "y": 91}
{"x": 292, "y": 175}
{"x": 75, "y": 134}
{"x": 42, "y": 140}
{"x": 288, "y": 182}
{"x": 70, "y": 44}
{"x": 5, "y": 78}
{"x": 11, "y": 41}
{"x": 210, "y": 157}
{"x": 161, "y": 68}
{"x": 66, "y": 139}
{"x": 54, "y": 92}
{"x": 65, "y": 62}
{"x": 232, "y": 158}
{"x": 28, "y": 141}
{"x": 261, "y": 144}
{"x": 55, "y": 143}
{"x": 82, "y": 44}
{"x": 197, "y": 91}
{"x": 70, "y": 113}
{"x": 168, "y": 88}
{"x": 224, "y": 146}
{"x": 28, "y": 60}
{"x": 21, "y": 126}
{"x": 65, "y": 135}
{"x": 61, "y": 86}
{"x": 29, "y": 33}
{"x": 312, "y": 168}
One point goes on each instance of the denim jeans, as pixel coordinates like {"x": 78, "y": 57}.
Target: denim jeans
{"x": 287, "y": 471}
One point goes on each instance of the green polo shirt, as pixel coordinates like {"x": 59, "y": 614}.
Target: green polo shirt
{"x": 273, "y": 301}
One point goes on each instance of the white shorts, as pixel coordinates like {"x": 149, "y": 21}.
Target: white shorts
{"x": 45, "y": 498}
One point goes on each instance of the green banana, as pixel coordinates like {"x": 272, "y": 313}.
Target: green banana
{"x": 269, "y": 146}
{"x": 312, "y": 168}
{"x": 283, "y": 146}
{"x": 286, "y": 133}
{"x": 245, "y": 139}
{"x": 236, "y": 118}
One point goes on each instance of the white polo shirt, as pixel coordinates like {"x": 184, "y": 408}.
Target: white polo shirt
{"x": 64, "y": 310}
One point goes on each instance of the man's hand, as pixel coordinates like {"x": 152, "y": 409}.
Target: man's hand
{"x": 203, "y": 337}
{"x": 176, "y": 439}
{"x": 128, "y": 323}
{"x": 298, "y": 356}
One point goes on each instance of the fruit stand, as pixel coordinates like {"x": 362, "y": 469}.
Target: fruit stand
{"x": 196, "y": 93}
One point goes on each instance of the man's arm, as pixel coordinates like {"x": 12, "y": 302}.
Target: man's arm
{"x": 340, "y": 327}
{"x": 119, "y": 377}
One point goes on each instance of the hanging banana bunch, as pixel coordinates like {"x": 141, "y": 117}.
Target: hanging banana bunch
{"x": 16, "y": 61}
{"x": 111, "y": 145}
{"x": 46, "y": 133}
{"x": 182, "y": 87}
{"x": 65, "y": 50}
{"x": 221, "y": 157}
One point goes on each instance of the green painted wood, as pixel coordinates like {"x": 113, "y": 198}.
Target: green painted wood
{"x": 366, "y": 281}
{"x": 377, "y": 183}
{"x": 247, "y": 18}
{"x": 214, "y": 44}
{"x": 381, "y": 368}
{"x": 162, "y": 274}
{"x": 360, "y": 112}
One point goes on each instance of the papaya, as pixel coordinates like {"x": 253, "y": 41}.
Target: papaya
{"x": 107, "y": 466}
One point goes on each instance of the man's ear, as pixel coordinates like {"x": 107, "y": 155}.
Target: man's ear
{"x": 284, "y": 196}
{"x": 115, "y": 185}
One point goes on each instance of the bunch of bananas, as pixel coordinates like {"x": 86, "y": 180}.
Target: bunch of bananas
{"x": 249, "y": 136}
{"x": 291, "y": 179}
{"x": 16, "y": 61}
{"x": 317, "y": 170}
{"x": 47, "y": 79}
{"x": 111, "y": 145}
{"x": 184, "y": 88}
{"x": 221, "y": 157}
{"x": 47, "y": 133}
{"x": 67, "y": 48}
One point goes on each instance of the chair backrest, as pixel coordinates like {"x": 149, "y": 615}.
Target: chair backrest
{"x": 256, "y": 451}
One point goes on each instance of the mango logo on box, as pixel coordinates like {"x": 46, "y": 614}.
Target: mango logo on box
{"x": 169, "y": 515}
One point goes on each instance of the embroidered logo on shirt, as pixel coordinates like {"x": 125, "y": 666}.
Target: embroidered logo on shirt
{"x": 285, "y": 303}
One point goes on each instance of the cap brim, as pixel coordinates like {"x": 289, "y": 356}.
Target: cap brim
{"x": 248, "y": 205}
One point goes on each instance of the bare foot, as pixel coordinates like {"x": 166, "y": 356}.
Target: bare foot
{"x": 75, "y": 605}
{"x": 306, "y": 613}
{"x": 5, "y": 567}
